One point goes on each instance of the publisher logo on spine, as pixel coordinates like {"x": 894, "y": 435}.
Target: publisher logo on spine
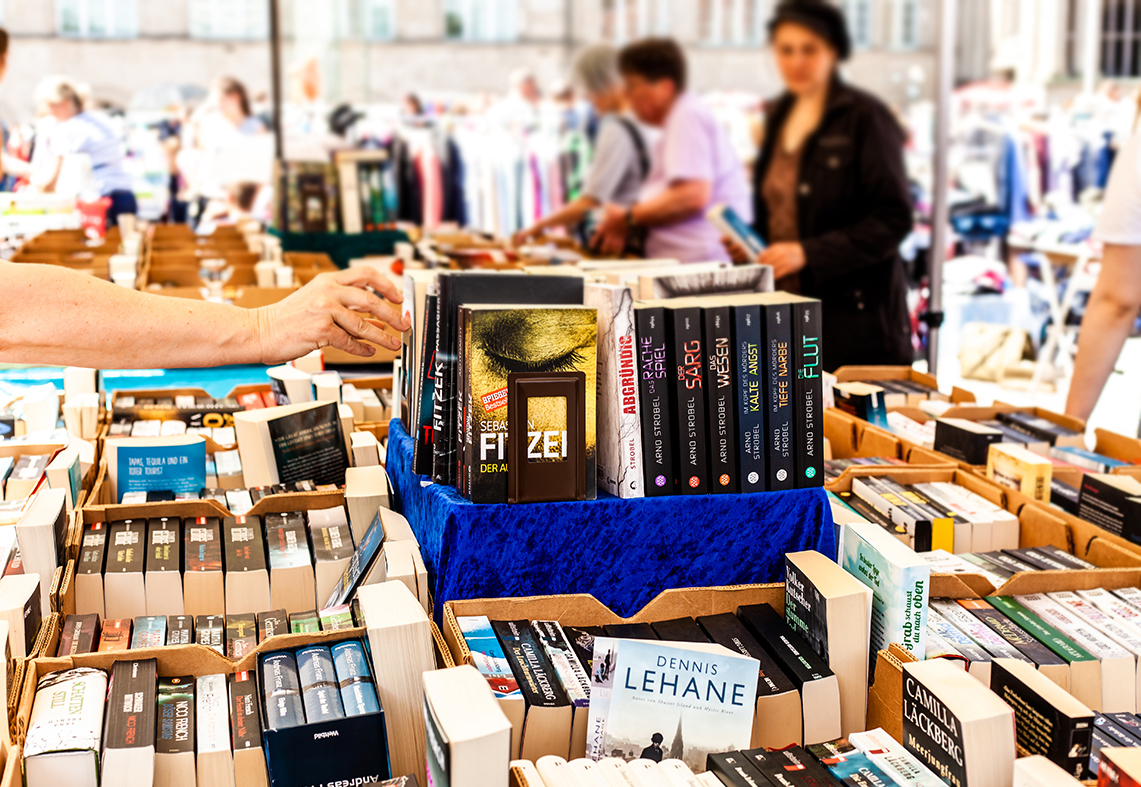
{"x": 782, "y": 474}
{"x": 494, "y": 400}
{"x": 694, "y": 482}
{"x": 660, "y": 481}
{"x": 724, "y": 479}
{"x": 754, "y": 478}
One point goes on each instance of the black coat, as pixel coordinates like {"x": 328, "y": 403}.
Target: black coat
{"x": 854, "y": 210}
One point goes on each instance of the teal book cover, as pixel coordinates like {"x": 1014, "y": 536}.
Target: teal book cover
{"x": 653, "y": 700}
{"x": 900, "y": 582}
{"x": 173, "y": 468}
{"x": 488, "y": 656}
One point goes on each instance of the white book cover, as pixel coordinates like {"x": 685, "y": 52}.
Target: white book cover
{"x": 619, "y": 424}
{"x": 67, "y": 714}
{"x": 900, "y": 582}
{"x": 661, "y": 700}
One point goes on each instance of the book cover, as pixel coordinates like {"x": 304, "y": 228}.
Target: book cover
{"x": 620, "y": 470}
{"x": 488, "y": 656}
{"x": 720, "y": 386}
{"x": 179, "y": 630}
{"x": 354, "y": 678}
{"x": 241, "y": 635}
{"x": 687, "y": 362}
{"x": 670, "y": 700}
{"x": 210, "y": 630}
{"x": 504, "y": 341}
{"x": 281, "y": 691}
{"x": 304, "y": 622}
{"x": 115, "y": 635}
{"x": 203, "y": 544}
{"x": 900, "y": 582}
{"x": 423, "y": 431}
{"x": 212, "y": 715}
{"x": 805, "y": 609}
{"x": 67, "y": 717}
{"x": 130, "y": 719}
{"x": 173, "y": 468}
{"x": 309, "y": 446}
{"x": 319, "y": 692}
{"x": 77, "y": 634}
{"x": 655, "y": 391}
{"x": 849, "y": 765}
{"x": 149, "y": 631}
{"x": 471, "y": 288}
{"x": 287, "y": 541}
{"x": 533, "y": 671}
{"x": 164, "y": 537}
{"x": 808, "y": 394}
{"x": 175, "y": 709}
{"x": 245, "y": 720}
{"x": 272, "y": 623}
{"x": 752, "y": 389}
{"x": 359, "y": 565}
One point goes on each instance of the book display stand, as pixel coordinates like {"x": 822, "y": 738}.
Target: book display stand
{"x": 623, "y": 552}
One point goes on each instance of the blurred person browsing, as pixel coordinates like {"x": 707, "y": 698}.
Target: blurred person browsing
{"x": 621, "y": 159}
{"x": 830, "y": 192}
{"x": 78, "y": 132}
{"x": 694, "y": 165}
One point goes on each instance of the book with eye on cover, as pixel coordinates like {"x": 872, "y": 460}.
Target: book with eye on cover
{"x": 655, "y": 392}
{"x": 1048, "y": 720}
{"x": 549, "y": 715}
{"x": 500, "y": 341}
{"x": 817, "y": 684}
{"x": 477, "y": 287}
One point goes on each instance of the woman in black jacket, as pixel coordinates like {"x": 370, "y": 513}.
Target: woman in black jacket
{"x": 831, "y": 192}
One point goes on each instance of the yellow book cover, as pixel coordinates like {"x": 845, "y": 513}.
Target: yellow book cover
{"x": 1013, "y": 466}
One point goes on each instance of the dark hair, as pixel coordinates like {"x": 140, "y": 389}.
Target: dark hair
{"x": 819, "y": 16}
{"x": 244, "y": 195}
{"x": 228, "y": 86}
{"x": 3, "y": 42}
{"x": 656, "y": 738}
{"x": 654, "y": 59}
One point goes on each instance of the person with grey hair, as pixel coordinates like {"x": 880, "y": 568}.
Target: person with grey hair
{"x": 621, "y": 156}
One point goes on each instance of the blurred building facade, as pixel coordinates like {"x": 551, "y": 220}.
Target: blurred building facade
{"x": 377, "y": 50}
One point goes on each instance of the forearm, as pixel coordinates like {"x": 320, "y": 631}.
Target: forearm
{"x": 1104, "y": 330}
{"x": 569, "y": 215}
{"x": 680, "y": 202}
{"x": 52, "y": 316}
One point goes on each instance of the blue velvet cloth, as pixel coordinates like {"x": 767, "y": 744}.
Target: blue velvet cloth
{"x": 622, "y": 552}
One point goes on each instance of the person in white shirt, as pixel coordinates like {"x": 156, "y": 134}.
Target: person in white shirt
{"x": 81, "y": 132}
{"x": 1116, "y": 299}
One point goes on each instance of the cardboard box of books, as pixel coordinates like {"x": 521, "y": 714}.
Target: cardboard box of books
{"x": 873, "y": 374}
{"x": 1122, "y": 448}
{"x": 849, "y": 439}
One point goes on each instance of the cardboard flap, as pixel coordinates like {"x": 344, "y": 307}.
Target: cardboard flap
{"x": 1117, "y": 446}
{"x": 962, "y": 396}
{"x": 960, "y": 586}
{"x": 1102, "y": 552}
{"x": 1039, "y": 528}
{"x": 878, "y": 443}
{"x": 671, "y": 604}
{"x": 885, "y": 695}
{"x": 840, "y": 429}
{"x": 1050, "y": 581}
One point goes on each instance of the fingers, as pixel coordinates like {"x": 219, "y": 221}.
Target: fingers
{"x": 369, "y": 277}
{"x": 341, "y": 340}
{"x": 365, "y": 301}
{"x": 360, "y": 327}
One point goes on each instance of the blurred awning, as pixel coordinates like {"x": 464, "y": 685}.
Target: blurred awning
{"x": 167, "y": 96}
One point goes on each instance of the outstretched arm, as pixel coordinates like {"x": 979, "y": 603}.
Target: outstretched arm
{"x": 53, "y": 316}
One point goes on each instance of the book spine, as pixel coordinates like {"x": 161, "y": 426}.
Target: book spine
{"x": 1039, "y": 726}
{"x": 175, "y": 709}
{"x": 319, "y": 691}
{"x": 529, "y": 663}
{"x": 932, "y": 732}
{"x": 245, "y": 720}
{"x": 130, "y": 721}
{"x": 442, "y": 404}
{"x": 687, "y": 361}
{"x": 752, "y": 397}
{"x": 358, "y": 691}
{"x": 720, "y": 386}
{"x": 654, "y": 387}
{"x": 281, "y": 691}
{"x": 780, "y": 361}
{"x": 808, "y": 395}
{"x": 462, "y": 453}
{"x": 423, "y": 429}
{"x": 619, "y": 465}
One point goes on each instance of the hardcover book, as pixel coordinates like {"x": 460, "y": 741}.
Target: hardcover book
{"x": 779, "y": 361}
{"x": 721, "y": 387}
{"x": 687, "y": 362}
{"x": 319, "y": 692}
{"x": 281, "y": 691}
{"x": 656, "y": 700}
{"x": 620, "y": 470}
{"x": 956, "y": 726}
{"x": 501, "y": 341}
{"x": 471, "y": 288}
{"x": 655, "y": 391}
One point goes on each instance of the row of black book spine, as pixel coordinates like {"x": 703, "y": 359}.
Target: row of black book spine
{"x": 732, "y": 397}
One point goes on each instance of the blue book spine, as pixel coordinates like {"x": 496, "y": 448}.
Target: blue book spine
{"x": 319, "y": 691}
{"x": 752, "y": 393}
{"x": 358, "y": 694}
{"x": 281, "y": 690}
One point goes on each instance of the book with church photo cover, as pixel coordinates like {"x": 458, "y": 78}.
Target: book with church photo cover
{"x": 655, "y": 700}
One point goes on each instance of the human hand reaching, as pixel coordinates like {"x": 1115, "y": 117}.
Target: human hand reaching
{"x": 333, "y": 310}
{"x": 786, "y": 259}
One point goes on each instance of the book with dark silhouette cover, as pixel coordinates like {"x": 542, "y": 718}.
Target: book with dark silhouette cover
{"x": 679, "y": 630}
{"x": 721, "y": 405}
{"x": 778, "y": 721}
{"x": 1048, "y": 720}
{"x": 470, "y": 288}
{"x": 129, "y": 724}
{"x": 548, "y": 721}
{"x": 808, "y": 392}
{"x": 423, "y": 431}
{"x": 819, "y": 689}
{"x": 655, "y": 391}
{"x": 687, "y": 361}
